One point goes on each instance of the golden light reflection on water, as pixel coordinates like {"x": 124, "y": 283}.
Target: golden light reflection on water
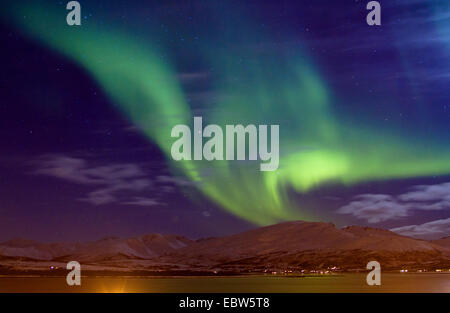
{"x": 119, "y": 285}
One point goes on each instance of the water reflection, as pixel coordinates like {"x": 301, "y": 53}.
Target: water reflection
{"x": 411, "y": 282}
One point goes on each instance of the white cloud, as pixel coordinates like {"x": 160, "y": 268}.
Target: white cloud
{"x": 377, "y": 208}
{"x": 109, "y": 179}
{"x": 427, "y": 193}
{"x": 180, "y": 181}
{"x": 142, "y": 201}
{"x": 438, "y": 228}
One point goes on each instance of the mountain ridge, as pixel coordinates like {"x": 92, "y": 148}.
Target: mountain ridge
{"x": 295, "y": 244}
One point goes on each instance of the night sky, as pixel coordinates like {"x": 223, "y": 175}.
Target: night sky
{"x": 86, "y": 114}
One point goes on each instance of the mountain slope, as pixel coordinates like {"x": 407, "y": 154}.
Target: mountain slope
{"x": 296, "y": 245}
{"x": 443, "y": 242}
{"x": 143, "y": 247}
{"x": 302, "y": 236}
{"x": 305, "y": 243}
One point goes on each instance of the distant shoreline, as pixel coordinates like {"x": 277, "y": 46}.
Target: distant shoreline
{"x": 193, "y": 274}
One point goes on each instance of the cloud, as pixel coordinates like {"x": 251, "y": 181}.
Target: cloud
{"x": 438, "y": 228}
{"x": 142, "y": 201}
{"x": 66, "y": 168}
{"x": 428, "y": 193}
{"x": 77, "y": 170}
{"x": 98, "y": 197}
{"x": 109, "y": 179}
{"x": 377, "y": 208}
{"x": 189, "y": 77}
{"x": 180, "y": 181}
{"x": 106, "y": 195}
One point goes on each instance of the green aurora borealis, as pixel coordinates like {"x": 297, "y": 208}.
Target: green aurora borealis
{"x": 318, "y": 145}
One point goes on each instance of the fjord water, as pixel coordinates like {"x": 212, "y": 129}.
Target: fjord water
{"x": 390, "y": 282}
